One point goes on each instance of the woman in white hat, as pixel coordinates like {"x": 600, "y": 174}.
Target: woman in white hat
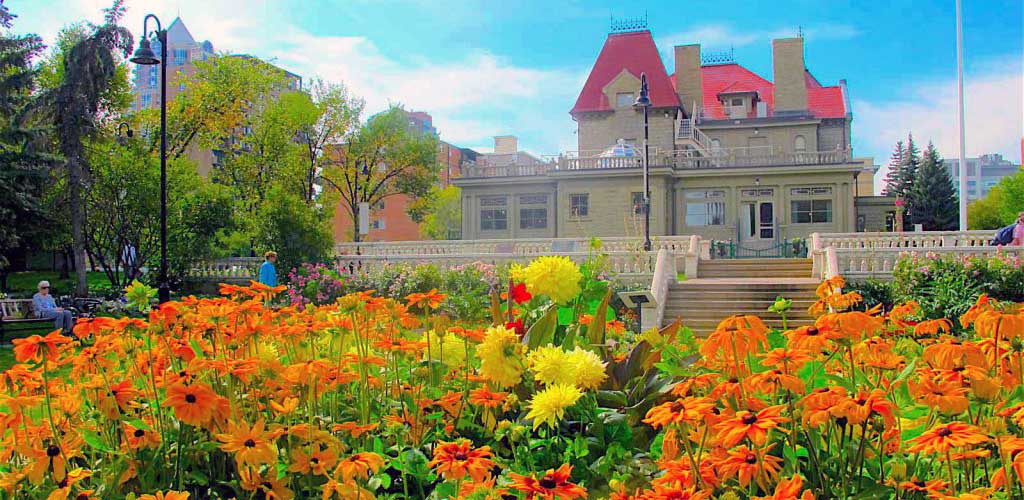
{"x": 45, "y": 307}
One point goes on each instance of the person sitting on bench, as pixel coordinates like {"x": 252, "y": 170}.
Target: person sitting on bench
{"x": 45, "y": 307}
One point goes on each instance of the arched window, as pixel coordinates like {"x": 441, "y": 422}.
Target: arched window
{"x": 800, "y": 144}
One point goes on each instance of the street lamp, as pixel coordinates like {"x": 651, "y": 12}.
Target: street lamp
{"x": 644, "y": 101}
{"x": 144, "y": 56}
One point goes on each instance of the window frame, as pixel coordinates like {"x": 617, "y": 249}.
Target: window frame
{"x": 705, "y": 198}
{"x": 542, "y": 219}
{"x": 811, "y": 211}
{"x": 575, "y": 205}
{"x": 620, "y": 95}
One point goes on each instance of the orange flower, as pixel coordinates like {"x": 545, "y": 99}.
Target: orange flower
{"x": 431, "y": 299}
{"x": 252, "y": 446}
{"x": 735, "y": 338}
{"x": 317, "y": 462}
{"x": 457, "y": 459}
{"x": 810, "y": 338}
{"x": 688, "y": 411}
{"x": 487, "y": 398}
{"x": 29, "y": 347}
{"x": 169, "y": 495}
{"x": 941, "y": 438}
{"x": 193, "y": 404}
{"x": 750, "y": 425}
{"x": 946, "y": 396}
{"x": 983, "y": 304}
{"x": 933, "y": 327}
{"x": 554, "y": 484}
{"x": 934, "y": 486}
{"x": 865, "y": 405}
{"x": 786, "y": 358}
{"x": 748, "y": 465}
{"x": 353, "y": 428}
{"x": 789, "y": 489}
{"x": 359, "y": 466}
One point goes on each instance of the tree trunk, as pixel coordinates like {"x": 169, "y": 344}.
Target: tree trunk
{"x": 78, "y": 225}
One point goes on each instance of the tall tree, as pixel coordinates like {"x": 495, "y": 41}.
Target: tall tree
{"x": 932, "y": 200}
{"x": 77, "y": 109}
{"x": 23, "y": 160}
{"x": 383, "y": 158}
{"x": 893, "y": 186}
{"x": 338, "y": 118}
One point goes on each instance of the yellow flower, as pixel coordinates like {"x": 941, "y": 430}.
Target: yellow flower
{"x": 587, "y": 369}
{"x": 550, "y": 365}
{"x": 548, "y": 406}
{"x": 445, "y": 347}
{"x": 556, "y": 276}
{"x": 579, "y": 367}
{"x": 499, "y": 357}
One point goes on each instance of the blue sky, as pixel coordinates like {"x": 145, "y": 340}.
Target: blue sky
{"x": 486, "y": 68}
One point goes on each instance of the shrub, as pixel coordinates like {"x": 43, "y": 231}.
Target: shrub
{"x": 946, "y": 287}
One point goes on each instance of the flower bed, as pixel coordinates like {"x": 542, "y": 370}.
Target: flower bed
{"x": 371, "y": 397}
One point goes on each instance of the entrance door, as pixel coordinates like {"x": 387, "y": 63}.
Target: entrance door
{"x": 758, "y": 221}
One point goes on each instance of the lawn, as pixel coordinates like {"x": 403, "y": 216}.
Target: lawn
{"x": 23, "y": 284}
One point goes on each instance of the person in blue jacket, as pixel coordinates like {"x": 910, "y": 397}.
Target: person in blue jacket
{"x": 44, "y": 306}
{"x": 268, "y": 273}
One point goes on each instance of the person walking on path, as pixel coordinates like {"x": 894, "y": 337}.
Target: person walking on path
{"x": 268, "y": 273}
{"x": 45, "y": 307}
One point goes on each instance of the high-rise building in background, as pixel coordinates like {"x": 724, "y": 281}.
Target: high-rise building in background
{"x": 183, "y": 51}
{"x": 983, "y": 173}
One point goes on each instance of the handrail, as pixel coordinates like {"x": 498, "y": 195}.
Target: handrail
{"x": 652, "y": 314}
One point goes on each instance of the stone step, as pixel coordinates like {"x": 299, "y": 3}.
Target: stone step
{"x": 721, "y": 264}
{"x": 730, "y": 273}
{"x": 760, "y": 262}
{"x": 722, "y": 313}
{"x": 766, "y": 297}
{"x": 725, "y": 304}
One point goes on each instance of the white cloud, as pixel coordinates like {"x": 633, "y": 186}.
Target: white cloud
{"x": 471, "y": 98}
{"x": 993, "y": 102}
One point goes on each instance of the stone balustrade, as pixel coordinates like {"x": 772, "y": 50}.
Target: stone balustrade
{"x": 629, "y": 267}
{"x": 874, "y": 255}
{"x": 652, "y": 314}
{"x": 233, "y": 270}
{"x": 522, "y": 246}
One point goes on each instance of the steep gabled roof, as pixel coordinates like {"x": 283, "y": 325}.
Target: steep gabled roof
{"x": 634, "y": 52}
{"x": 822, "y": 102}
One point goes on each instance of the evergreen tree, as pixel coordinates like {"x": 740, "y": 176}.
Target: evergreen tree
{"x": 932, "y": 201}
{"x": 23, "y": 157}
{"x": 892, "y": 182}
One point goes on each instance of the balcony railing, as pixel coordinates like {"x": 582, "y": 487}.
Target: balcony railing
{"x": 685, "y": 159}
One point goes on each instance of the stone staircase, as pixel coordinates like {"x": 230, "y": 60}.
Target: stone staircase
{"x": 723, "y": 288}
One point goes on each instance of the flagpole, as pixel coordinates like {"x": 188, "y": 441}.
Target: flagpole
{"x": 960, "y": 112}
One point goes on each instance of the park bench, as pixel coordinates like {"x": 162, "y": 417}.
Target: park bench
{"x": 17, "y": 314}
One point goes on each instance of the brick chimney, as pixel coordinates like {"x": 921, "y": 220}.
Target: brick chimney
{"x": 689, "y": 83}
{"x": 790, "y": 83}
{"x": 506, "y": 144}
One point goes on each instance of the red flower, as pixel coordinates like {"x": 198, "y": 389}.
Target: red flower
{"x": 516, "y": 325}
{"x": 519, "y": 293}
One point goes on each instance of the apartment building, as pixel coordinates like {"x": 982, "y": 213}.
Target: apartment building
{"x": 983, "y": 173}
{"x": 733, "y": 156}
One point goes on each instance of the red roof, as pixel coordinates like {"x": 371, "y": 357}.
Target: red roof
{"x": 634, "y": 52}
{"x": 822, "y": 102}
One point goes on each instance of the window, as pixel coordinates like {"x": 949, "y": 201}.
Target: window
{"x": 180, "y": 56}
{"x": 533, "y": 218}
{"x": 493, "y": 215}
{"x": 637, "y": 200}
{"x": 811, "y": 191}
{"x": 146, "y": 101}
{"x": 379, "y": 205}
{"x": 811, "y": 211}
{"x": 152, "y": 76}
{"x": 377, "y": 224}
{"x": 533, "y": 199}
{"x": 800, "y": 144}
{"x": 737, "y": 101}
{"x": 493, "y": 220}
{"x": 579, "y": 205}
{"x": 624, "y": 99}
{"x": 758, "y": 193}
{"x": 710, "y": 212}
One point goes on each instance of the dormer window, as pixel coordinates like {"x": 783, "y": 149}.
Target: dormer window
{"x": 624, "y": 99}
{"x": 737, "y": 101}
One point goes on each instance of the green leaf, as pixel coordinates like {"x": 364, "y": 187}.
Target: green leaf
{"x": 565, "y": 316}
{"x": 139, "y": 424}
{"x": 596, "y": 328}
{"x": 94, "y": 440}
{"x": 542, "y": 332}
{"x": 196, "y": 348}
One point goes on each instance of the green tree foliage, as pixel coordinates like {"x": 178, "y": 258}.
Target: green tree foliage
{"x": 123, "y": 212}
{"x": 443, "y": 217}
{"x": 383, "y": 158}
{"x": 1000, "y": 206}
{"x": 338, "y": 117}
{"x": 76, "y": 107}
{"x": 903, "y": 165}
{"x": 298, "y": 232}
{"x": 23, "y": 158}
{"x": 932, "y": 199}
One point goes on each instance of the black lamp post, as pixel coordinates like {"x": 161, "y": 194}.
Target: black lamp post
{"x": 644, "y": 101}
{"x": 144, "y": 56}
